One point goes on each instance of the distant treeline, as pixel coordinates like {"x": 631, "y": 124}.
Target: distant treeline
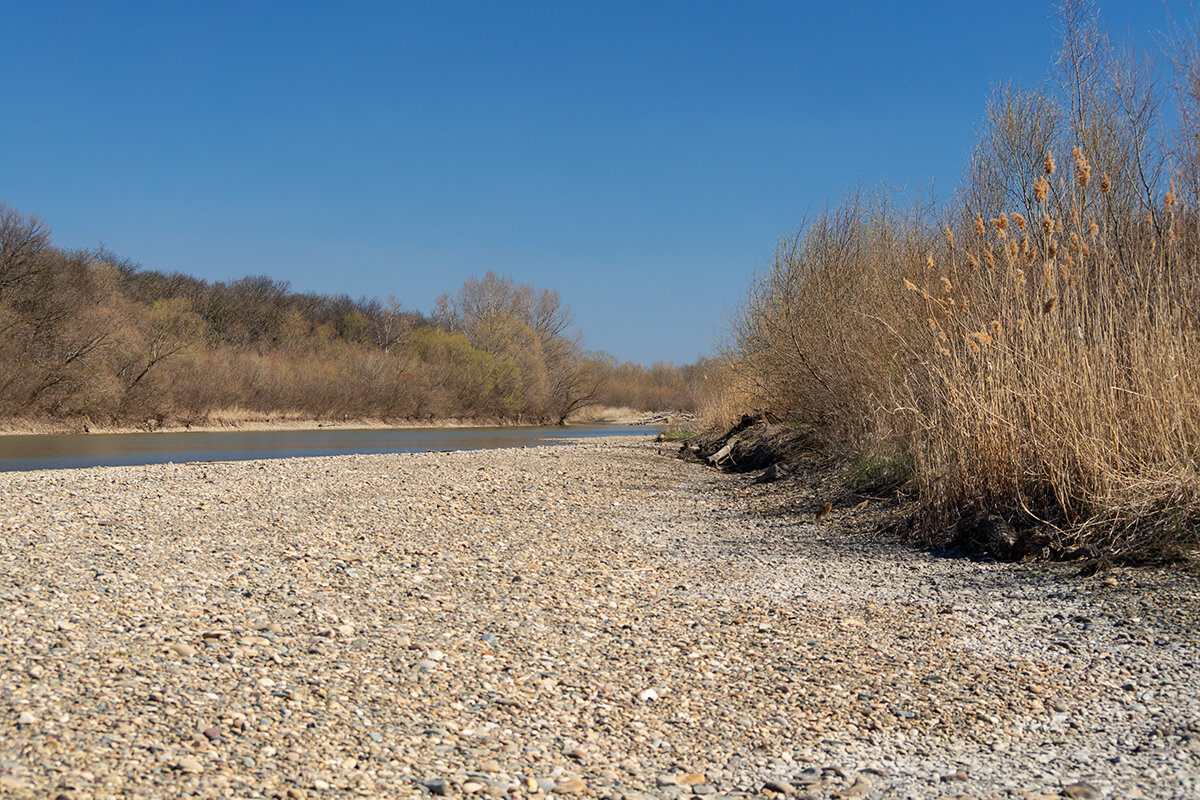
{"x": 89, "y": 335}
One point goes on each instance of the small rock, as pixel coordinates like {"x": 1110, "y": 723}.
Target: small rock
{"x": 648, "y": 696}
{"x": 689, "y": 779}
{"x": 779, "y": 787}
{"x": 491, "y": 765}
{"x": 545, "y": 784}
{"x": 704, "y": 789}
{"x": 26, "y": 718}
{"x": 570, "y": 786}
{"x": 665, "y": 780}
{"x": 472, "y": 787}
{"x": 189, "y": 764}
{"x": 437, "y": 786}
{"x": 859, "y": 788}
{"x": 181, "y": 649}
{"x": 425, "y": 665}
{"x": 1080, "y": 791}
{"x": 213, "y": 735}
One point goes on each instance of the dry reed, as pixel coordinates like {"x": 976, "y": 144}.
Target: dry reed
{"x": 1036, "y": 353}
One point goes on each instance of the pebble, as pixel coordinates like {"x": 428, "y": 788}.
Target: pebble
{"x": 188, "y": 764}
{"x": 1080, "y": 791}
{"x": 570, "y": 786}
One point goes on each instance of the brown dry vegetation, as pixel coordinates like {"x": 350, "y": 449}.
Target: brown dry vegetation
{"x": 1032, "y": 348}
{"x": 87, "y": 337}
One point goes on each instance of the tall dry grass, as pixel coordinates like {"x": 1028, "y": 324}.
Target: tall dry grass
{"x": 1057, "y": 371}
{"x": 1033, "y": 348}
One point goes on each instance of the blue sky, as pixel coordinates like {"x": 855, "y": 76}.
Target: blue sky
{"x": 642, "y": 158}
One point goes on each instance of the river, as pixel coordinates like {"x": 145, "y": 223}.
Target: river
{"x": 73, "y": 451}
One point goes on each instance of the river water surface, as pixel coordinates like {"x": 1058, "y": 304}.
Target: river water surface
{"x": 67, "y": 451}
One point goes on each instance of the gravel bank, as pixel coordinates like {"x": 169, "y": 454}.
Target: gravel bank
{"x": 593, "y": 620}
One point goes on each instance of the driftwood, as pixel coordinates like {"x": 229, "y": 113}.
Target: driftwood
{"x": 734, "y": 451}
{"x": 666, "y": 418}
{"x": 724, "y": 446}
{"x": 716, "y": 458}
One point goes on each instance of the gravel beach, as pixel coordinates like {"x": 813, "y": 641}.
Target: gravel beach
{"x": 596, "y": 620}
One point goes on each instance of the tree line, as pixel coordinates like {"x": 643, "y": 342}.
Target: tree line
{"x": 89, "y": 335}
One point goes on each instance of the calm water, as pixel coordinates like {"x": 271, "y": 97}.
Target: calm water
{"x": 66, "y": 451}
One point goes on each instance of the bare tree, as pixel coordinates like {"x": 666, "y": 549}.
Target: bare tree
{"x": 22, "y": 241}
{"x": 389, "y": 324}
{"x": 170, "y": 328}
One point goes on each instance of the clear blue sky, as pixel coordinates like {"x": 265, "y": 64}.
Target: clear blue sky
{"x": 642, "y": 158}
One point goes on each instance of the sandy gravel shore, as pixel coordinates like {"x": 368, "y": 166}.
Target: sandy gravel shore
{"x": 596, "y": 620}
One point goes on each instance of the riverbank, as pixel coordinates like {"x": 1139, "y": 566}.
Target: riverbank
{"x": 595, "y": 620}
{"x": 239, "y": 420}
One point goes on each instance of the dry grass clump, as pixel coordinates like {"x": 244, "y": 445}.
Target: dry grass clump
{"x": 1036, "y": 350}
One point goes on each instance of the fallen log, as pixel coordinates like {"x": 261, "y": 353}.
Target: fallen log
{"x": 716, "y": 458}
